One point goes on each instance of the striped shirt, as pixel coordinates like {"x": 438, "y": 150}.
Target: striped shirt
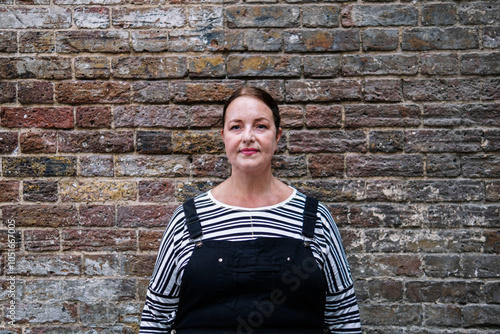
{"x": 224, "y": 222}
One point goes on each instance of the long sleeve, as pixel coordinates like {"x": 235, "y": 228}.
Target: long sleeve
{"x": 341, "y": 309}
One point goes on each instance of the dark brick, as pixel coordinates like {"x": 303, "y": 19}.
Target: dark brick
{"x": 481, "y": 315}
{"x": 321, "y": 66}
{"x": 487, "y": 12}
{"x": 197, "y": 142}
{"x": 8, "y": 141}
{"x": 443, "y": 165}
{"x": 493, "y": 191}
{"x": 8, "y": 41}
{"x": 441, "y": 89}
{"x": 39, "y": 166}
{"x": 77, "y": 41}
{"x": 437, "y": 141}
{"x": 491, "y": 89}
{"x": 156, "y": 191}
{"x": 151, "y": 116}
{"x": 482, "y": 64}
{"x": 208, "y": 116}
{"x": 379, "y": 15}
{"x": 323, "y": 116}
{"x": 96, "y": 165}
{"x": 190, "y": 189}
{"x": 390, "y": 115}
{"x": 263, "y": 66}
{"x": 149, "y": 17}
{"x": 320, "y": 16}
{"x": 454, "y": 38}
{"x": 392, "y": 314}
{"x": 143, "y": 215}
{"x": 35, "y": 68}
{"x": 33, "y": 92}
{"x": 41, "y": 215}
{"x": 385, "y": 141}
{"x": 41, "y": 240}
{"x": 150, "y": 92}
{"x": 89, "y": 92}
{"x": 98, "y": 240}
{"x": 448, "y": 215}
{"x": 289, "y": 166}
{"x": 437, "y": 292}
{"x": 138, "y": 265}
{"x": 333, "y": 190}
{"x": 7, "y": 92}
{"x": 439, "y": 64}
{"x": 448, "y": 316}
{"x": 210, "y": 166}
{"x": 491, "y": 37}
{"x": 149, "y": 67}
{"x": 388, "y": 90}
{"x": 264, "y": 16}
{"x": 439, "y": 265}
{"x": 481, "y": 166}
{"x": 380, "y": 65}
{"x": 40, "y": 191}
{"x": 439, "y": 14}
{"x": 385, "y": 265}
{"x": 321, "y": 40}
{"x": 92, "y": 68}
{"x": 396, "y": 165}
{"x": 383, "y": 290}
{"x": 338, "y": 141}
{"x": 97, "y": 215}
{"x": 380, "y": 39}
{"x": 385, "y": 215}
{"x": 37, "y": 42}
{"x": 323, "y": 90}
{"x": 492, "y": 292}
{"x": 96, "y": 141}
{"x": 154, "y": 142}
{"x": 9, "y": 191}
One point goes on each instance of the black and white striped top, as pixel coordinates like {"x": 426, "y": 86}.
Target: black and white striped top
{"x": 224, "y": 222}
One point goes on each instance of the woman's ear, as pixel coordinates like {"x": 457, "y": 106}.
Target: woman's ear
{"x": 278, "y": 134}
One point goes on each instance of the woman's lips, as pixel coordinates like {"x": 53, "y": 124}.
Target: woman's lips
{"x": 249, "y": 151}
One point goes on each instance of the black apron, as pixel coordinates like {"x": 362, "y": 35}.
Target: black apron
{"x": 265, "y": 285}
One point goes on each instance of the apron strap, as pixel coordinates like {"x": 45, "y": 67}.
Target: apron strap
{"x": 310, "y": 217}
{"x": 192, "y": 222}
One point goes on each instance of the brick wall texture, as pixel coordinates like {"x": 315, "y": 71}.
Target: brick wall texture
{"x": 110, "y": 116}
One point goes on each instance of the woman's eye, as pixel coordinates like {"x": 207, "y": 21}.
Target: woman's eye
{"x": 235, "y": 127}
{"x": 261, "y": 126}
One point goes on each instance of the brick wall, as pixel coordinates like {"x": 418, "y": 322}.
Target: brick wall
{"x": 109, "y": 119}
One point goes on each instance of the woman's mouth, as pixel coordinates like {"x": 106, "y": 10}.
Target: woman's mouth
{"x": 249, "y": 151}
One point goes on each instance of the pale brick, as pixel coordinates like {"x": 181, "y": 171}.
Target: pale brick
{"x": 151, "y": 166}
{"x": 92, "y": 17}
{"x": 149, "y": 17}
{"x": 35, "y": 18}
{"x": 97, "y": 191}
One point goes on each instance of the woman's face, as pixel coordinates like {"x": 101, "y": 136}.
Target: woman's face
{"x": 249, "y": 134}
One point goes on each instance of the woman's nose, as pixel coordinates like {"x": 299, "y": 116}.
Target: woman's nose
{"x": 248, "y": 135}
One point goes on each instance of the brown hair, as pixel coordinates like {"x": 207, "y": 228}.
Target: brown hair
{"x": 258, "y": 94}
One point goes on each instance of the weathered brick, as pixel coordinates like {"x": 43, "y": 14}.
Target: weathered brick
{"x": 333, "y": 190}
{"x": 386, "y": 265}
{"x": 33, "y": 92}
{"x": 207, "y": 116}
{"x": 443, "y": 165}
{"x": 102, "y": 265}
{"x": 393, "y": 115}
{"x": 444, "y": 14}
{"x": 448, "y": 316}
{"x": 35, "y": 18}
{"x": 493, "y": 191}
{"x": 7, "y": 92}
{"x": 92, "y": 17}
{"x": 98, "y": 240}
{"x": 150, "y": 91}
{"x": 96, "y": 141}
{"x": 149, "y": 41}
{"x": 492, "y": 292}
{"x": 213, "y": 91}
{"x": 321, "y": 66}
{"x": 320, "y": 16}
{"x": 88, "y": 92}
{"x": 42, "y": 117}
{"x": 395, "y": 165}
{"x": 76, "y": 41}
{"x": 38, "y": 142}
{"x": 483, "y": 166}
{"x": 139, "y": 265}
{"x": 323, "y": 90}
{"x": 46, "y": 240}
{"x": 438, "y": 265}
{"x": 385, "y": 141}
{"x": 212, "y": 40}
{"x": 8, "y": 41}
{"x": 441, "y": 89}
{"x": 41, "y": 215}
{"x": 436, "y": 292}
{"x": 154, "y": 142}
{"x": 149, "y": 67}
{"x": 93, "y": 117}
{"x": 482, "y": 64}
{"x": 326, "y": 165}
{"x": 149, "y": 240}
{"x": 321, "y": 116}
{"x": 385, "y": 215}
{"x": 385, "y": 290}
{"x": 191, "y": 189}
{"x": 39, "y": 166}
{"x": 264, "y": 16}
{"x": 379, "y": 15}
{"x": 97, "y": 191}
{"x": 90, "y": 2}
{"x": 491, "y": 37}
{"x": 388, "y": 90}
{"x": 9, "y": 191}
{"x": 487, "y": 12}
{"x": 275, "y": 87}
{"x": 8, "y": 141}
{"x": 206, "y": 17}
{"x": 437, "y": 141}
{"x": 96, "y": 165}
{"x": 264, "y": 40}
{"x": 380, "y": 65}
{"x": 338, "y": 141}
{"x": 149, "y": 17}
{"x": 439, "y": 64}
{"x": 156, "y": 191}
{"x": 197, "y": 142}
{"x": 48, "y": 265}
{"x": 37, "y": 42}
{"x": 454, "y": 38}
{"x": 316, "y": 40}
{"x": 151, "y": 166}
{"x": 291, "y": 117}
{"x": 46, "y": 313}
{"x": 289, "y": 166}
{"x": 481, "y": 315}
{"x": 97, "y": 215}
{"x": 209, "y": 66}
{"x": 380, "y": 39}
{"x": 92, "y": 68}
{"x": 35, "y": 68}
{"x": 151, "y": 116}
{"x": 449, "y": 215}
{"x": 143, "y": 215}
{"x": 265, "y": 66}
{"x": 491, "y": 89}
{"x": 210, "y": 166}
{"x": 40, "y": 191}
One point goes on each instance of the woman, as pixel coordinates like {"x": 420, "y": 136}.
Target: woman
{"x": 252, "y": 255}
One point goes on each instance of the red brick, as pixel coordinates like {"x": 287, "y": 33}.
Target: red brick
{"x": 92, "y": 92}
{"x": 144, "y": 215}
{"x": 150, "y": 240}
{"x": 326, "y": 165}
{"x": 206, "y": 116}
{"x": 7, "y": 92}
{"x": 40, "y": 117}
{"x": 41, "y": 215}
{"x": 98, "y": 240}
{"x": 291, "y": 116}
{"x": 156, "y": 191}
{"x": 96, "y": 141}
{"x": 33, "y": 92}
{"x": 41, "y": 240}
{"x": 194, "y": 91}
{"x": 8, "y": 141}
{"x": 93, "y": 117}
{"x": 9, "y": 191}
{"x": 364, "y": 115}
{"x": 388, "y": 90}
{"x": 321, "y": 116}
{"x": 38, "y": 142}
{"x": 139, "y": 265}
{"x": 97, "y": 215}
{"x": 210, "y": 166}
